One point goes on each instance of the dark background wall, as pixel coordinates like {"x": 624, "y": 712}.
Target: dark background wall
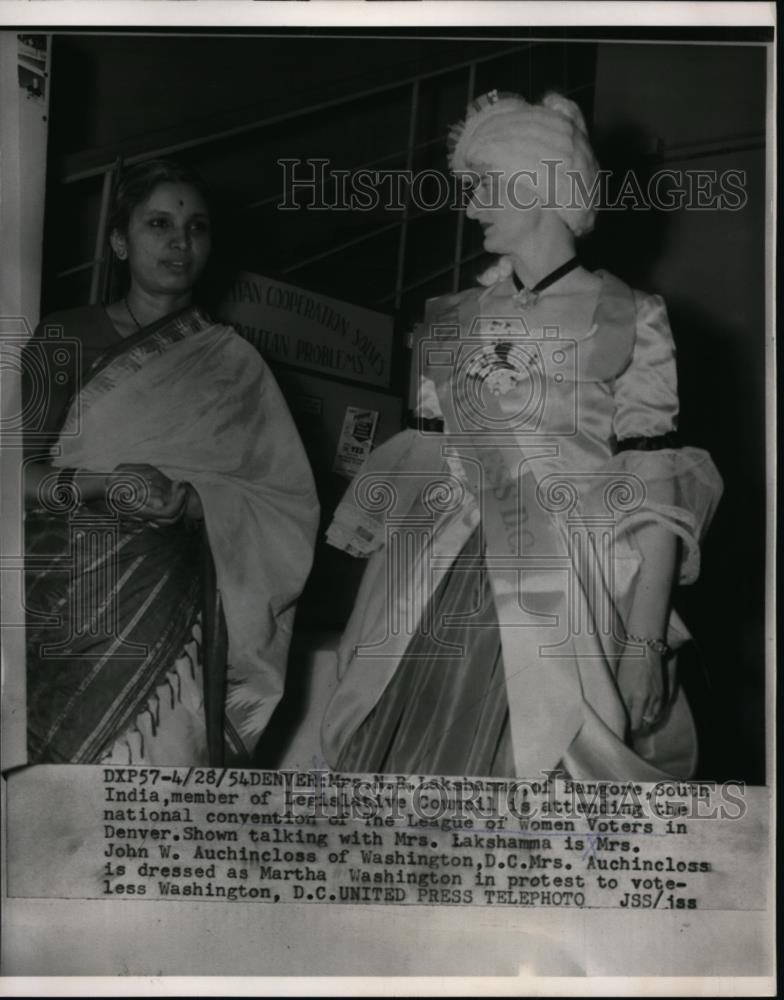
{"x": 703, "y": 108}
{"x": 116, "y": 96}
{"x": 649, "y": 106}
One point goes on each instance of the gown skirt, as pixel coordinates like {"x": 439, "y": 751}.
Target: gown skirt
{"x": 444, "y": 713}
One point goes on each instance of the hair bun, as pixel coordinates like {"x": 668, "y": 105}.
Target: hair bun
{"x": 566, "y": 107}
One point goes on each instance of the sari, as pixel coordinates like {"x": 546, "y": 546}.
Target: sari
{"x": 120, "y": 611}
{"x": 489, "y": 628}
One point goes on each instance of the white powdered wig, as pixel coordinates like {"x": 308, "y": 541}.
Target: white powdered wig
{"x": 547, "y": 140}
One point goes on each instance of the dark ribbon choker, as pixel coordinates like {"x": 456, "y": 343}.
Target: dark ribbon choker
{"x": 527, "y": 296}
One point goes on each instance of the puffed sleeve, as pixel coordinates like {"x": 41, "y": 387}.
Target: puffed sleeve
{"x": 680, "y": 487}
{"x": 646, "y": 393}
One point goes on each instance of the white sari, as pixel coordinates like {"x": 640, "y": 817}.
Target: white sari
{"x": 202, "y": 406}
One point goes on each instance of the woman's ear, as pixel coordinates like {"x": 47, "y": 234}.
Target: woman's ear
{"x": 118, "y": 244}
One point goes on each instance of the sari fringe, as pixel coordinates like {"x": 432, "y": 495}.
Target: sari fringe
{"x": 173, "y": 715}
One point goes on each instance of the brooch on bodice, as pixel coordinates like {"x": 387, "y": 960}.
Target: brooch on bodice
{"x": 502, "y": 366}
{"x": 525, "y": 297}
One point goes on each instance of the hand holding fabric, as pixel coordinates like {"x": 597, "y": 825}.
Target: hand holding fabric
{"x": 645, "y": 684}
{"x": 155, "y": 497}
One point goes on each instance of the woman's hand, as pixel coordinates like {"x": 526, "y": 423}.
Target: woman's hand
{"x": 146, "y": 493}
{"x": 645, "y": 679}
{"x": 645, "y": 684}
{"x": 193, "y": 507}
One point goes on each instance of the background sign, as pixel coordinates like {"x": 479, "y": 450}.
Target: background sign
{"x": 293, "y": 326}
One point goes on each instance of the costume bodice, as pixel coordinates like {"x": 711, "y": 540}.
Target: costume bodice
{"x": 484, "y": 368}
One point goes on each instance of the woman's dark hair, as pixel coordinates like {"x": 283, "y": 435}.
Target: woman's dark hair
{"x": 136, "y": 185}
{"x": 138, "y": 182}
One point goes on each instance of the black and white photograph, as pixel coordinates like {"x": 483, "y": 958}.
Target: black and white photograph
{"x": 387, "y": 489}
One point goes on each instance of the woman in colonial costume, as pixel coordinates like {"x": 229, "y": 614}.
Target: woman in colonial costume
{"x": 171, "y": 510}
{"x": 524, "y": 538}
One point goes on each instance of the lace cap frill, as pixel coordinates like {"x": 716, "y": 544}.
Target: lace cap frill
{"x": 499, "y": 271}
{"x": 359, "y": 523}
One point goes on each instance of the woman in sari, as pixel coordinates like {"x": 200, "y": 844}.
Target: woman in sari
{"x": 171, "y": 511}
{"x": 515, "y": 616}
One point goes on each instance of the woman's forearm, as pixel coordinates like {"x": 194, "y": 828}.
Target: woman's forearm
{"x": 644, "y": 684}
{"x": 40, "y": 483}
{"x": 658, "y": 546}
{"x": 146, "y": 493}
{"x": 650, "y": 609}
{"x": 35, "y": 474}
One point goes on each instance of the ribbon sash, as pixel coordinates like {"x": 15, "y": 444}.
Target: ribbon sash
{"x": 541, "y": 584}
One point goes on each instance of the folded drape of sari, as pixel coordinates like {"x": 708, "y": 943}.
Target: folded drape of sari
{"x": 196, "y": 401}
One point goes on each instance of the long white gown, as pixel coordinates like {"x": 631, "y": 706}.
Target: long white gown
{"x": 533, "y": 420}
